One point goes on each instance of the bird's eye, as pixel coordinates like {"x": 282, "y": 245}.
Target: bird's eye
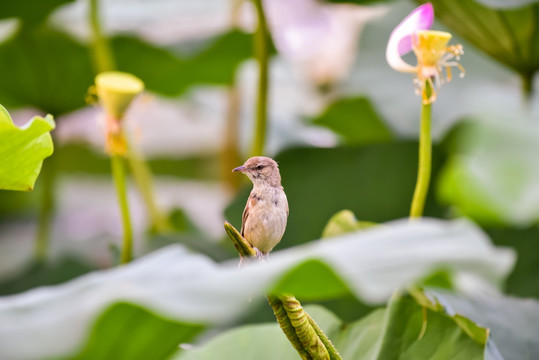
{"x": 259, "y": 167}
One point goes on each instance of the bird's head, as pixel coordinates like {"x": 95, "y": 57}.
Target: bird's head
{"x": 261, "y": 170}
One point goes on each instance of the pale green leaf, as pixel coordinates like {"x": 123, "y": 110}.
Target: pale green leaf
{"x": 187, "y": 288}
{"x": 514, "y": 322}
{"x": 22, "y": 150}
{"x": 407, "y": 330}
{"x": 493, "y": 176}
{"x": 148, "y": 335}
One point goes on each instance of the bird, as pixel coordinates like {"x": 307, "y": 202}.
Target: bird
{"x": 266, "y": 212}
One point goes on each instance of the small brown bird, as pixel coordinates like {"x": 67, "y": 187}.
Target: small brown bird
{"x": 266, "y": 211}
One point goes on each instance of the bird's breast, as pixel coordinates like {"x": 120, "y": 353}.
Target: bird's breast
{"x": 266, "y": 223}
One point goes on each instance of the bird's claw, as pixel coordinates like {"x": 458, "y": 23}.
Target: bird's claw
{"x": 260, "y": 255}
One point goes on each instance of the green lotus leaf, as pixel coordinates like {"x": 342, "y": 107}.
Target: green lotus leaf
{"x": 108, "y": 338}
{"x": 22, "y": 150}
{"x": 31, "y": 77}
{"x": 493, "y": 174}
{"x": 514, "y": 322}
{"x": 172, "y": 71}
{"x": 190, "y": 289}
{"x": 355, "y": 120}
{"x": 411, "y": 327}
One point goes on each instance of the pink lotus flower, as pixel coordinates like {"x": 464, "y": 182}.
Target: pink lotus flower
{"x": 320, "y": 39}
{"x": 430, "y": 47}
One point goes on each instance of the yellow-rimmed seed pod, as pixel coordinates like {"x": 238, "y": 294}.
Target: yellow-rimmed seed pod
{"x": 116, "y": 90}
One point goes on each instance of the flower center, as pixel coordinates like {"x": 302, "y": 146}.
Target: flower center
{"x": 429, "y": 46}
{"x": 433, "y": 56}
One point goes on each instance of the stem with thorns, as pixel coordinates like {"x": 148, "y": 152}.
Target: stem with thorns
{"x": 299, "y": 327}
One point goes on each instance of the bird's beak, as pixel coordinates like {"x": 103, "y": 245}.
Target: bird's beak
{"x": 239, "y": 168}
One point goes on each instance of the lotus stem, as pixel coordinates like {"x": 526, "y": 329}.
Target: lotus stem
{"x": 144, "y": 180}
{"x": 118, "y": 173}
{"x": 425, "y": 158}
{"x": 103, "y": 59}
{"x": 261, "y": 52}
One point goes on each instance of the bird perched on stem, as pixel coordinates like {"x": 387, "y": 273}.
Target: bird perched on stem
{"x": 266, "y": 211}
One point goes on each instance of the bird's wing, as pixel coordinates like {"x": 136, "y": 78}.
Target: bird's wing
{"x": 251, "y": 202}
{"x": 244, "y": 219}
